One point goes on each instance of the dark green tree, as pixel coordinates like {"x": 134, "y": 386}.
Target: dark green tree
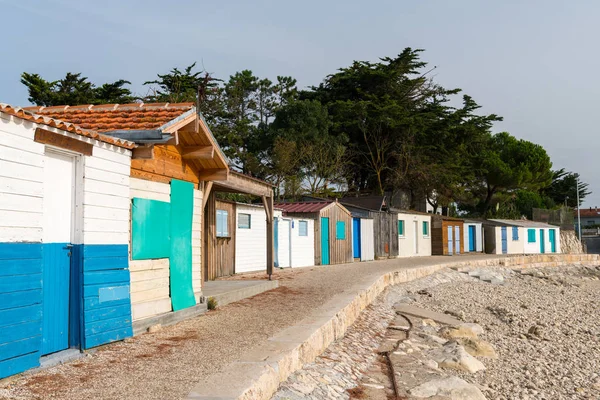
{"x": 563, "y": 188}
{"x": 74, "y": 89}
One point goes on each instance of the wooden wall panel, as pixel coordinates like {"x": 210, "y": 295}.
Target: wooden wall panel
{"x": 439, "y": 235}
{"x": 385, "y": 227}
{"x": 166, "y": 164}
{"x": 340, "y": 251}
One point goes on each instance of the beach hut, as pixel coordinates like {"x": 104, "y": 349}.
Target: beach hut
{"x": 414, "y": 234}
{"x": 363, "y": 236}
{"x": 505, "y": 236}
{"x": 294, "y": 239}
{"x": 473, "y": 236}
{"x": 332, "y": 229}
{"x": 385, "y": 225}
{"x": 64, "y": 222}
{"x": 446, "y": 235}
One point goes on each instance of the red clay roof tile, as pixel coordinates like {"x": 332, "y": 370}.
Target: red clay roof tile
{"x": 47, "y": 120}
{"x": 111, "y": 117}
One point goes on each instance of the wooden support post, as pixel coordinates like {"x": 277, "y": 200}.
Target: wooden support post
{"x": 207, "y": 189}
{"x": 270, "y": 235}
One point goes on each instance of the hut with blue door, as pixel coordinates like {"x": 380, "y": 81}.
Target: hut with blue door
{"x": 506, "y": 236}
{"x": 363, "y": 236}
{"x": 473, "y": 236}
{"x": 385, "y": 223}
{"x": 64, "y": 280}
{"x": 332, "y": 229}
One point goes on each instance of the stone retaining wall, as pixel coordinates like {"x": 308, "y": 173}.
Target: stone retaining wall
{"x": 256, "y": 376}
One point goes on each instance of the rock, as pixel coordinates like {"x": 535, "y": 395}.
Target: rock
{"x": 433, "y": 338}
{"x": 535, "y": 330}
{"x": 454, "y": 356}
{"x": 154, "y": 328}
{"x": 467, "y": 330}
{"x": 478, "y": 347}
{"x": 430, "y": 364}
{"x": 459, "y": 315}
{"x": 452, "y": 388}
{"x": 429, "y": 322}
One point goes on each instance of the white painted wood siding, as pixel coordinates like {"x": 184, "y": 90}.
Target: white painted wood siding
{"x": 284, "y": 242}
{"x": 102, "y": 187}
{"x": 21, "y": 186}
{"x": 413, "y": 243}
{"x": 251, "y": 244}
{"x": 367, "y": 240}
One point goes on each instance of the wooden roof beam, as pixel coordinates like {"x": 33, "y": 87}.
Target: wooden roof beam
{"x": 199, "y": 152}
{"x": 216, "y": 174}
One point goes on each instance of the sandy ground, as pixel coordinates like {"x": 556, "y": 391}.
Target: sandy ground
{"x": 167, "y": 364}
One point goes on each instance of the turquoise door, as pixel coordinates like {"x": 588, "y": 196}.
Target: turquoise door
{"x": 471, "y": 237}
{"x": 542, "y": 241}
{"x": 324, "y": 241}
{"x": 553, "y": 240}
{"x": 356, "y": 237}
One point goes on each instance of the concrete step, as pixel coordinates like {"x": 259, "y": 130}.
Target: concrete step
{"x": 426, "y": 314}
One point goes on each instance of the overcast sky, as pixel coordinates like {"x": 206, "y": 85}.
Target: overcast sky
{"x": 535, "y": 63}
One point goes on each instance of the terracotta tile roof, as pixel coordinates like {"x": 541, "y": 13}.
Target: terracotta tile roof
{"x": 62, "y": 125}
{"x": 303, "y": 207}
{"x": 112, "y": 117}
{"x": 588, "y": 212}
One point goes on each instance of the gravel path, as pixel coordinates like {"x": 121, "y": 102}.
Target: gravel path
{"x": 167, "y": 364}
{"x": 544, "y": 325}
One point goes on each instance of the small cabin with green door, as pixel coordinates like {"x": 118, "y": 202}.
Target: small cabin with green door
{"x": 333, "y": 229}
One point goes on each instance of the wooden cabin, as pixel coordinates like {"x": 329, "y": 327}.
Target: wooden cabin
{"x": 414, "y": 234}
{"x": 446, "y": 235}
{"x": 385, "y": 223}
{"x": 175, "y": 170}
{"x": 506, "y": 236}
{"x": 64, "y": 221}
{"x": 332, "y": 229}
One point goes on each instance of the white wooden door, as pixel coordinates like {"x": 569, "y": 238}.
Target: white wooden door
{"x": 284, "y": 243}
{"x": 416, "y": 232}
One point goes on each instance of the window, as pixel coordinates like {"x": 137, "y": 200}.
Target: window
{"x": 222, "y": 228}
{"x": 515, "y": 233}
{"x": 531, "y": 235}
{"x": 303, "y": 228}
{"x": 340, "y": 230}
{"x": 425, "y": 228}
{"x": 244, "y": 221}
{"x": 400, "y": 228}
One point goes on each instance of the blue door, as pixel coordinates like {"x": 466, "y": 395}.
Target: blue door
{"x": 276, "y": 241}
{"x": 450, "y": 241}
{"x": 504, "y": 240}
{"x": 553, "y": 240}
{"x": 356, "y": 237}
{"x": 324, "y": 241}
{"x": 542, "y": 241}
{"x": 471, "y": 237}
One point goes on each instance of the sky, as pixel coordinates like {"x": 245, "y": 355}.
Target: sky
{"x": 535, "y": 63}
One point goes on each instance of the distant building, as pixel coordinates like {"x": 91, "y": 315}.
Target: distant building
{"x": 589, "y": 216}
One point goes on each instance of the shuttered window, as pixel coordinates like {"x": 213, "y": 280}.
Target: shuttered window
{"x": 340, "y": 230}
{"x": 531, "y": 235}
{"x": 303, "y": 228}
{"x": 425, "y": 228}
{"x": 400, "y": 228}
{"x": 222, "y": 229}
{"x": 244, "y": 221}
{"x": 515, "y": 233}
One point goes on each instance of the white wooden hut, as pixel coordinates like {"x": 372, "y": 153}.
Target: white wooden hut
{"x": 414, "y": 234}
{"x": 64, "y": 223}
{"x": 293, "y": 237}
{"x": 505, "y": 236}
